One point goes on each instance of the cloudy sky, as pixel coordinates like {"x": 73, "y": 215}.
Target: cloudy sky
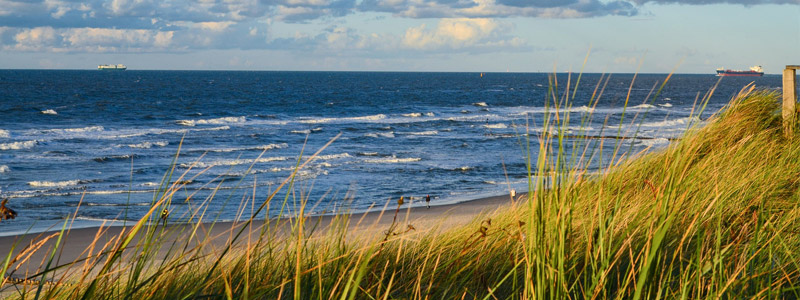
{"x": 696, "y": 36}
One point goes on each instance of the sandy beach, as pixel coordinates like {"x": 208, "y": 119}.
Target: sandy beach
{"x": 370, "y": 225}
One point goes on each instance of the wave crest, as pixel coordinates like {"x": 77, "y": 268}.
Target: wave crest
{"x": 18, "y": 145}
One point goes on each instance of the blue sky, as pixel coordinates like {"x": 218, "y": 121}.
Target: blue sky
{"x": 694, "y": 36}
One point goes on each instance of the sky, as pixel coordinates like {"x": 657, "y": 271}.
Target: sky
{"x": 619, "y": 36}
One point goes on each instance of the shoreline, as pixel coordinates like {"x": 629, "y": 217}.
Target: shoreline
{"x": 371, "y": 224}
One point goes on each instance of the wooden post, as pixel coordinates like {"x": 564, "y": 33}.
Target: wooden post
{"x": 790, "y": 100}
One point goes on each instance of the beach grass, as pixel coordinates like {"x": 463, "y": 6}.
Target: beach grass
{"x": 716, "y": 214}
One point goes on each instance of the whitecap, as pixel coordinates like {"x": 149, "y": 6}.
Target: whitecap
{"x": 480, "y": 104}
{"x": 49, "y": 112}
{"x": 4, "y": 133}
{"x": 390, "y": 160}
{"x": 430, "y": 114}
{"x": 348, "y": 119}
{"x": 216, "y": 121}
{"x": 496, "y": 126}
{"x": 665, "y": 105}
{"x": 18, "y": 145}
{"x": 429, "y": 132}
{"x": 74, "y": 130}
{"x": 674, "y": 122}
{"x": 413, "y": 115}
{"x": 380, "y": 134}
{"x": 234, "y": 162}
{"x": 307, "y": 131}
{"x": 262, "y": 147}
{"x": 333, "y": 156}
{"x": 642, "y": 106}
{"x": 368, "y": 153}
{"x": 654, "y": 142}
{"x": 4, "y": 169}
{"x": 148, "y": 145}
{"x": 56, "y": 184}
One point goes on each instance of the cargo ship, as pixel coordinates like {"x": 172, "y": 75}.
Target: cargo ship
{"x": 754, "y": 71}
{"x": 118, "y": 67}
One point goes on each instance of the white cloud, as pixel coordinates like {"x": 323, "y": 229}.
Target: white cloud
{"x": 450, "y": 33}
{"x": 35, "y": 39}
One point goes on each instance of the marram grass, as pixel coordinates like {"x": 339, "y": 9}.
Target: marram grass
{"x": 714, "y": 215}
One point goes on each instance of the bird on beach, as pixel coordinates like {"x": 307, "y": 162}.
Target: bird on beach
{"x": 428, "y": 201}
{"x": 5, "y": 212}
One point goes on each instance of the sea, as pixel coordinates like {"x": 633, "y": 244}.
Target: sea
{"x": 99, "y": 147}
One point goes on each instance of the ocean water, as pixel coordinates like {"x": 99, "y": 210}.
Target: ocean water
{"x": 109, "y": 138}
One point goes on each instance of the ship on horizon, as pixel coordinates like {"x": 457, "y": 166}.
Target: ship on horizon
{"x": 117, "y": 67}
{"x": 754, "y": 71}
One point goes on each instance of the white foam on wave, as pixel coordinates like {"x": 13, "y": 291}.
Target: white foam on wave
{"x": 74, "y": 130}
{"x": 540, "y": 110}
{"x": 480, "y": 104}
{"x": 334, "y": 156}
{"x": 49, "y": 112}
{"x": 654, "y": 142}
{"x": 55, "y": 184}
{"x": 307, "y": 131}
{"x": 148, "y": 145}
{"x": 672, "y": 123}
{"x": 380, "y": 134}
{"x": 642, "y": 106}
{"x": 429, "y": 132}
{"x": 4, "y": 169}
{"x": 4, "y": 133}
{"x": 262, "y": 147}
{"x": 347, "y": 119}
{"x": 390, "y": 160}
{"x": 216, "y": 121}
{"x": 430, "y": 114}
{"x": 496, "y": 126}
{"x": 234, "y": 162}
{"x": 413, "y": 115}
{"x": 368, "y": 153}
{"x": 665, "y": 105}
{"x": 18, "y": 145}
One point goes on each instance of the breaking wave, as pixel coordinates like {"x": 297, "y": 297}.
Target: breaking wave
{"x": 380, "y": 134}
{"x": 148, "y": 145}
{"x": 238, "y": 149}
{"x": 429, "y": 132}
{"x": 234, "y": 162}
{"x": 49, "y": 112}
{"x": 654, "y": 142}
{"x": 480, "y": 104}
{"x": 4, "y": 133}
{"x": 348, "y": 119}
{"x": 18, "y": 145}
{"x": 74, "y": 130}
{"x": 390, "y": 160}
{"x": 496, "y": 126}
{"x": 4, "y": 169}
{"x": 674, "y": 122}
{"x": 55, "y": 184}
{"x": 217, "y": 121}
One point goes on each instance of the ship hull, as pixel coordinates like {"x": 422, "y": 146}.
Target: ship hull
{"x": 739, "y": 73}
